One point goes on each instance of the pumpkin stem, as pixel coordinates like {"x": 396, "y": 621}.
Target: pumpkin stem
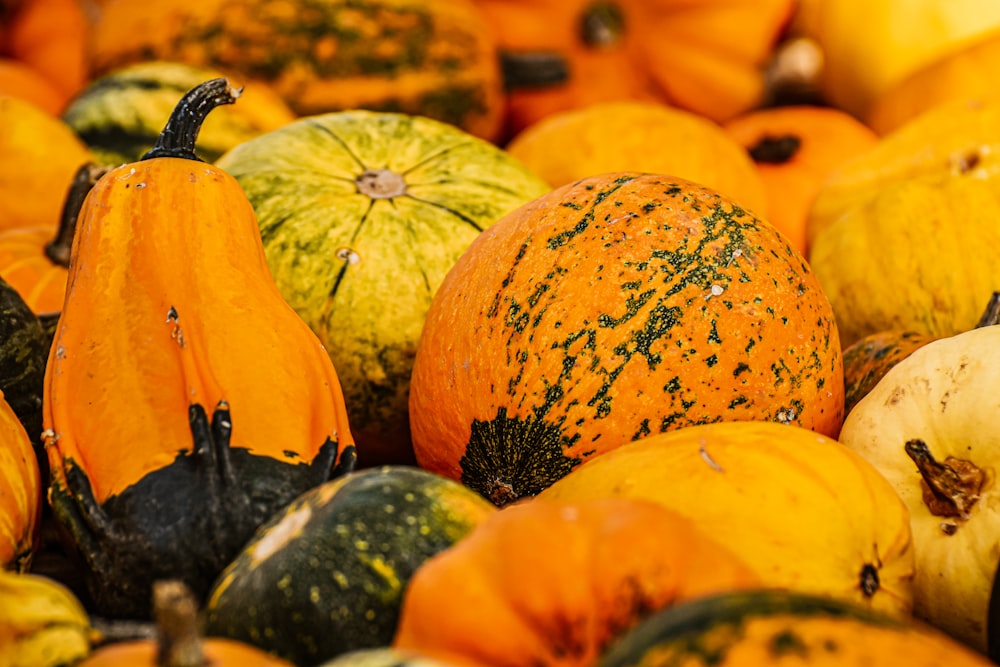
{"x": 950, "y": 488}
{"x": 775, "y": 150}
{"x": 181, "y": 131}
{"x": 602, "y": 25}
{"x": 58, "y": 249}
{"x": 532, "y": 69}
{"x": 991, "y": 315}
{"x": 175, "y": 611}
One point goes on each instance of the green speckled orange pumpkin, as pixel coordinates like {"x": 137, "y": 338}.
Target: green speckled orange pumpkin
{"x": 613, "y": 308}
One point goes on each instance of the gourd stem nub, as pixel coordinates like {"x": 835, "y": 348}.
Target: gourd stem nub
{"x": 181, "y": 131}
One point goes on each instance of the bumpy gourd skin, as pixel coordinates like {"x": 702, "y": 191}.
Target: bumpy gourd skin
{"x": 185, "y": 401}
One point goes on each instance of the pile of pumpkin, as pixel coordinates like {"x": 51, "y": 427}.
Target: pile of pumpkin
{"x": 475, "y": 333}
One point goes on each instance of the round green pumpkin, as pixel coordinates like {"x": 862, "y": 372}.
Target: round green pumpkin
{"x": 362, "y": 214}
{"x": 327, "y": 575}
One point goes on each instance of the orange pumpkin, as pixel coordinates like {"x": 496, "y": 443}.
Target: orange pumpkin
{"x": 706, "y": 57}
{"x": 794, "y": 148}
{"x": 609, "y": 309}
{"x": 39, "y": 154}
{"x": 648, "y": 136}
{"x": 20, "y": 493}
{"x": 556, "y": 583}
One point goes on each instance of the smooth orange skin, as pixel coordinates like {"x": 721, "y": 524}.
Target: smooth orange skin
{"x": 703, "y": 56}
{"x": 20, "y": 492}
{"x": 24, "y": 266}
{"x": 174, "y": 233}
{"x": 554, "y": 583}
{"x": 829, "y": 137}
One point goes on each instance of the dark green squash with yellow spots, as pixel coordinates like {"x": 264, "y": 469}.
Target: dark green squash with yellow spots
{"x": 613, "y": 308}
{"x": 326, "y": 575}
{"x": 772, "y": 627}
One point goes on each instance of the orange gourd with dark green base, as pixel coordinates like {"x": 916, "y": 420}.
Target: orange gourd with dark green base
{"x": 613, "y": 308}
{"x": 185, "y": 402}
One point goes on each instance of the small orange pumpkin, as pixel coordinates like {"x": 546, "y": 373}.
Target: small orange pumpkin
{"x": 34, "y": 260}
{"x": 553, "y": 583}
{"x": 178, "y": 642}
{"x": 706, "y": 57}
{"x": 648, "y": 136}
{"x": 609, "y": 309}
{"x": 794, "y": 148}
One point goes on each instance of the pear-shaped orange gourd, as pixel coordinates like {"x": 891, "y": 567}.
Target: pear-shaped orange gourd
{"x": 185, "y": 402}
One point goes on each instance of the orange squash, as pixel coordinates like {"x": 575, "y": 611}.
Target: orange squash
{"x": 184, "y": 402}
{"x": 803, "y": 512}
{"x": 794, "y": 148}
{"x": 557, "y": 583}
{"x": 20, "y": 493}
{"x": 609, "y": 309}
{"x": 706, "y": 57}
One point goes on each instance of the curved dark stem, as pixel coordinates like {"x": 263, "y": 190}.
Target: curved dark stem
{"x": 991, "y": 315}
{"x": 58, "y": 249}
{"x": 181, "y": 131}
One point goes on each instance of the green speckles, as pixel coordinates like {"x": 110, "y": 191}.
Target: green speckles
{"x": 673, "y": 385}
{"x": 713, "y": 333}
{"x": 508, "y": 458}
{"x": 738, "y": 401}
{"x": 711, "y": 360}
{"x": 340, "y": 579}
{"x": 740, "y": 369}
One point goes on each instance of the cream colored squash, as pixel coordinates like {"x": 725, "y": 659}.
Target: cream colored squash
{"x": 940, "y": 406}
